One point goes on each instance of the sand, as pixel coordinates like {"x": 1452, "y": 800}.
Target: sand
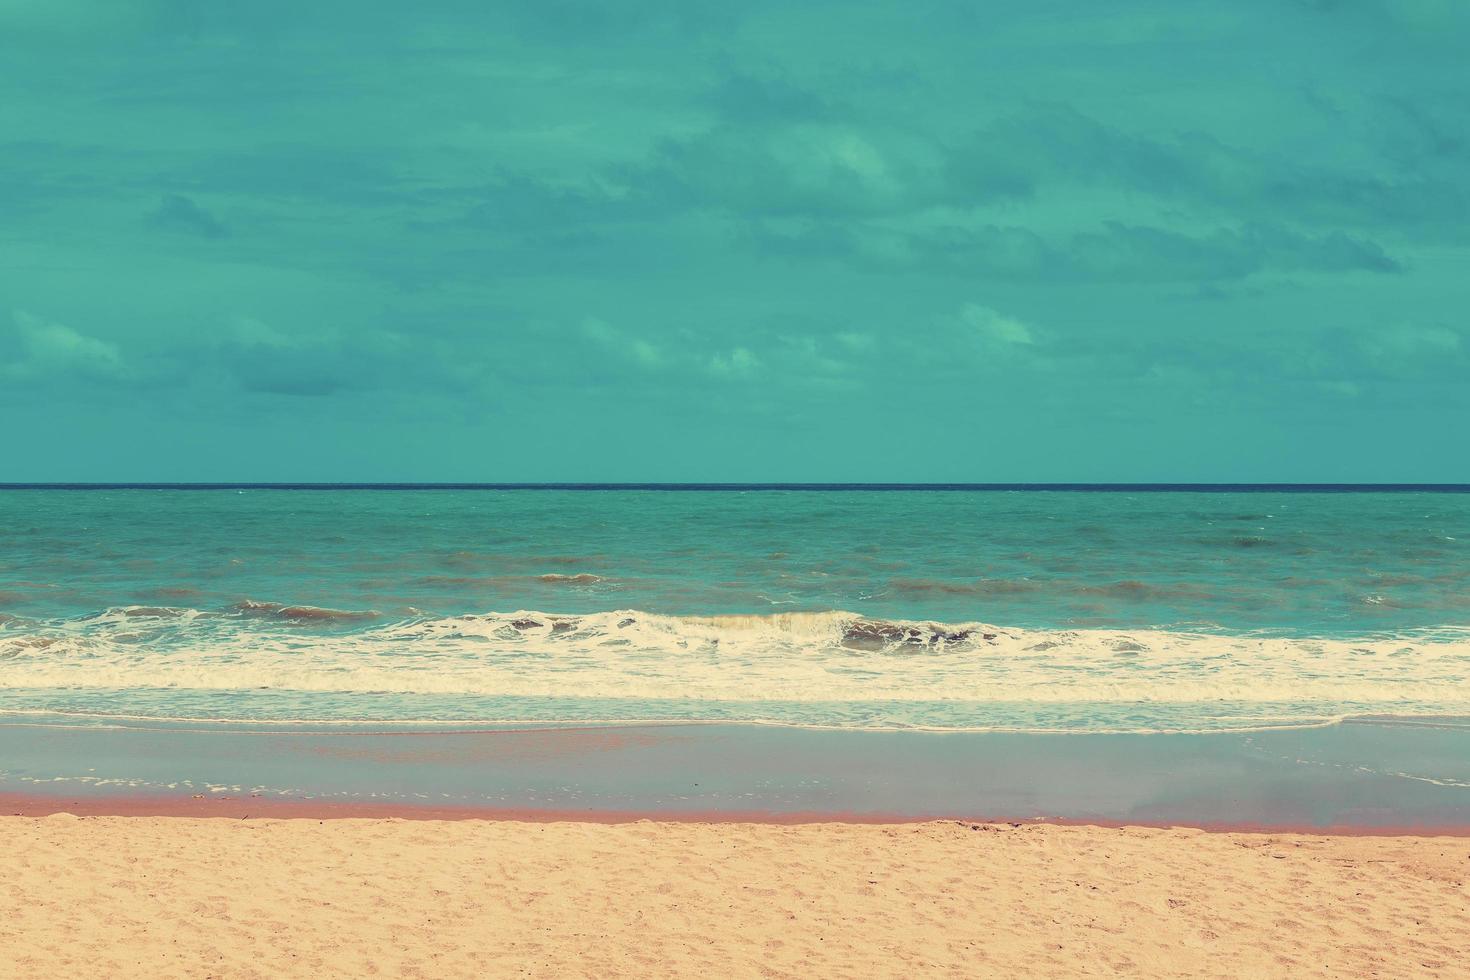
{"x": 195, "y": 897}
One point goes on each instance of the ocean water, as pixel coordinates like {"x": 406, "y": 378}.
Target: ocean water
{"x": 1082, "y": 611}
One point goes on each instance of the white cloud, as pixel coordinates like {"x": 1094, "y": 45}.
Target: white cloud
{"x": 649, "y": 355}
{"x": 737, "y": 363}
{"x": 47, "y": 348}
{"x": 995, "y": 327}
{"x": 641, "y": 352}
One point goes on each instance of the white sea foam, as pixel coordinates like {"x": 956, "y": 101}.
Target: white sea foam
{"x": 787, "y": 657}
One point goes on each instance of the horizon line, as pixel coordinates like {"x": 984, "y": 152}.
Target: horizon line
{"x": 758, "y": 486}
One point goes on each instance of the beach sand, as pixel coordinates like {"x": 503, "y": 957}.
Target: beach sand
{"x": 211, "y": 897}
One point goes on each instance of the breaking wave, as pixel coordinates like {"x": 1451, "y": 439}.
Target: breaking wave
{"x": 303, "y": 614}
{"x": 832, "y": 667}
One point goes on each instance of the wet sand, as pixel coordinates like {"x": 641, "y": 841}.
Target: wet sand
{"x": 177, "y": 896}
{"x": 1356, "y": 776}
{"x": 252, "y": 807}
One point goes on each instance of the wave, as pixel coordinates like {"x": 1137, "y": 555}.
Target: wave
{"x": 917, "y": 672}
{"x": 843, "y": 630}
{"x": 300, "y": 711}
{"x": 303, "y": 614}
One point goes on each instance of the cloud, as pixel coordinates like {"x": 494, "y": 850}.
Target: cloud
{"x": 43, "y": 350}
{"x": 748, "y": 96}
{"x": 178, "y": 213}
{"x": 1112, "y": 252}
{"x": 1406, "y": 343}
{"x": 685, "y": 359}
{"x": 995, "y": 328}
{"x": 1020, "y": 153}
{"x": 414, "y": 210}
{"x": 1025, "y": 154}
{"x": 738, "y": 362}
{"x": 789, "y": 168}
{"x": 954, "y": 344}
{"x": 262, "y": 358}
{"x": 1142, "y": 252}
{"x": 630, "y": 349}
{"x": 534, "y": 209}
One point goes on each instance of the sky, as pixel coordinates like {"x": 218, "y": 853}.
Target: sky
{"x": 683, "y": 240}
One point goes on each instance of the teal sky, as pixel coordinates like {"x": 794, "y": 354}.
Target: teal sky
{"x": 689, "y": 240}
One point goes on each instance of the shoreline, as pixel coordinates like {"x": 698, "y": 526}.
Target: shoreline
{"x": 40, "y": 806}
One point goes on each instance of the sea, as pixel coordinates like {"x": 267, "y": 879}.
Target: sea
{"x": 956, "y": 608}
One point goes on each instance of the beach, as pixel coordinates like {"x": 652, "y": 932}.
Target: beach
{"x": 162, "y": 896}
{"x": 828, "y": 732}
{"x": 724, "y": 490}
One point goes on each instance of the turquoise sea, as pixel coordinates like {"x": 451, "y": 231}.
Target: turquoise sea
{"x": 998, "y": 609}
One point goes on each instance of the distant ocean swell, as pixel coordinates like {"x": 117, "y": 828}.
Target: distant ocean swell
{"x": 288, "y": 661}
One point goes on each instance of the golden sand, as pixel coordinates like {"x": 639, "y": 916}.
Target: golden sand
{"x": 185, "y": 897}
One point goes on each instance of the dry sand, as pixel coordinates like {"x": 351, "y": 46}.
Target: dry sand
{"x": 170, "y": 896}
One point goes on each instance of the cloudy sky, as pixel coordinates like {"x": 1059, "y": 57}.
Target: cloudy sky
{"x": 693, "y": 240}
